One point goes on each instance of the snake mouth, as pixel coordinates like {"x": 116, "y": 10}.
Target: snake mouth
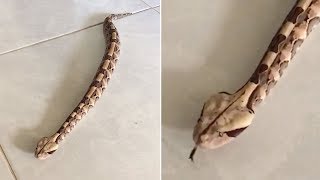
{"x": 44, "y": 155}
{"x": 51, "y": 152}
{"x": 215, "y": 141}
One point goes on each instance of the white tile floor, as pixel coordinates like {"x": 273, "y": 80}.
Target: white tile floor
{"x": 213, "y": 46}
{"x": 43, "y": 78}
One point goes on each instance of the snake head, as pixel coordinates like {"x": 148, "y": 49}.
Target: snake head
{"x": 223, "y": 118}
{"x": 46, "y": 146}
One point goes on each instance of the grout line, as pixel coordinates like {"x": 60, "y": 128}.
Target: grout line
{"x": 154, "y": 8}
{"x": 8, "y": 163}
{"x": 140, "y": 11}
{"x": 66, "y": 34}
{"x": 49, "y": 39}
{"x": 146, "y": 3}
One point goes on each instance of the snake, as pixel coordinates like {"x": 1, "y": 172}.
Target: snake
{"x": 48, "y": 145}
{"x": 225, "y": 115}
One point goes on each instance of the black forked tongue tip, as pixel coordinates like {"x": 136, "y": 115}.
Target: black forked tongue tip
{"x": 192, "y": 153}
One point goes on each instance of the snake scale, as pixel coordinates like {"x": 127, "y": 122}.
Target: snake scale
{"x": 224, "y": 116}
{"x": 48, "y": 145}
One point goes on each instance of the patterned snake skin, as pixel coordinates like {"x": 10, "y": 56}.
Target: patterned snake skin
{"x": 48, "y": 145}
{"x": 224, "y": 116}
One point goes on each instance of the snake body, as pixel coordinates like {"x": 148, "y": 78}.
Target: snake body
{"x": 48, "y": 145}
{"x": 224, "y": 116}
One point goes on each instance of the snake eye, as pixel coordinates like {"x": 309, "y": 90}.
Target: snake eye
{"x": 51, "y": 152}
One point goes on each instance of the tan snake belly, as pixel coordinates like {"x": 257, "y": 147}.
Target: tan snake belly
{"x": 48, "y": 145}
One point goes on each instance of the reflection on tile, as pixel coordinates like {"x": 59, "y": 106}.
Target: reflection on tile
{"x": 5, "y": 172}
{"x": 27, "y": 22}
{"x": 214, "y": 46}
{"x": 152, "y": 3}
{"x": 118, "y": 139}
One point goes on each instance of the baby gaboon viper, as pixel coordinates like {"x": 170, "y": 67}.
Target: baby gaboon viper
{"x": 224, "y": 116}
{"x": 48, "y": 145}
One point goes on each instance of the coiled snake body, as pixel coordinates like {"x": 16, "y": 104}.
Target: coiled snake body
{"x": 48, "y": 145}
{"x": 224, "y": 116}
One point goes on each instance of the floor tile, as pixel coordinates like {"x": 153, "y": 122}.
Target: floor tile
{"x": 152, "y": 3}
{"x": 214, "y": 46}
{"x": 119, "y": 138}
{"x": 27, "y": 22}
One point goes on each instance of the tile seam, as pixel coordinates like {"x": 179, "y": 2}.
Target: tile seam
{"x": 8, "y": 163}
{"x": 65, "y": 34}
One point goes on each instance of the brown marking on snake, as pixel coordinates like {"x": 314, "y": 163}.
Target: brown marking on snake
{"x": 263, "y": 68}
{"x": 303, "y": 16}
{"x": 294, "y": 14}
{"x": 95, "y": 83}
{"x": 276, "y": 43}
{"x": 254, "y": 78}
